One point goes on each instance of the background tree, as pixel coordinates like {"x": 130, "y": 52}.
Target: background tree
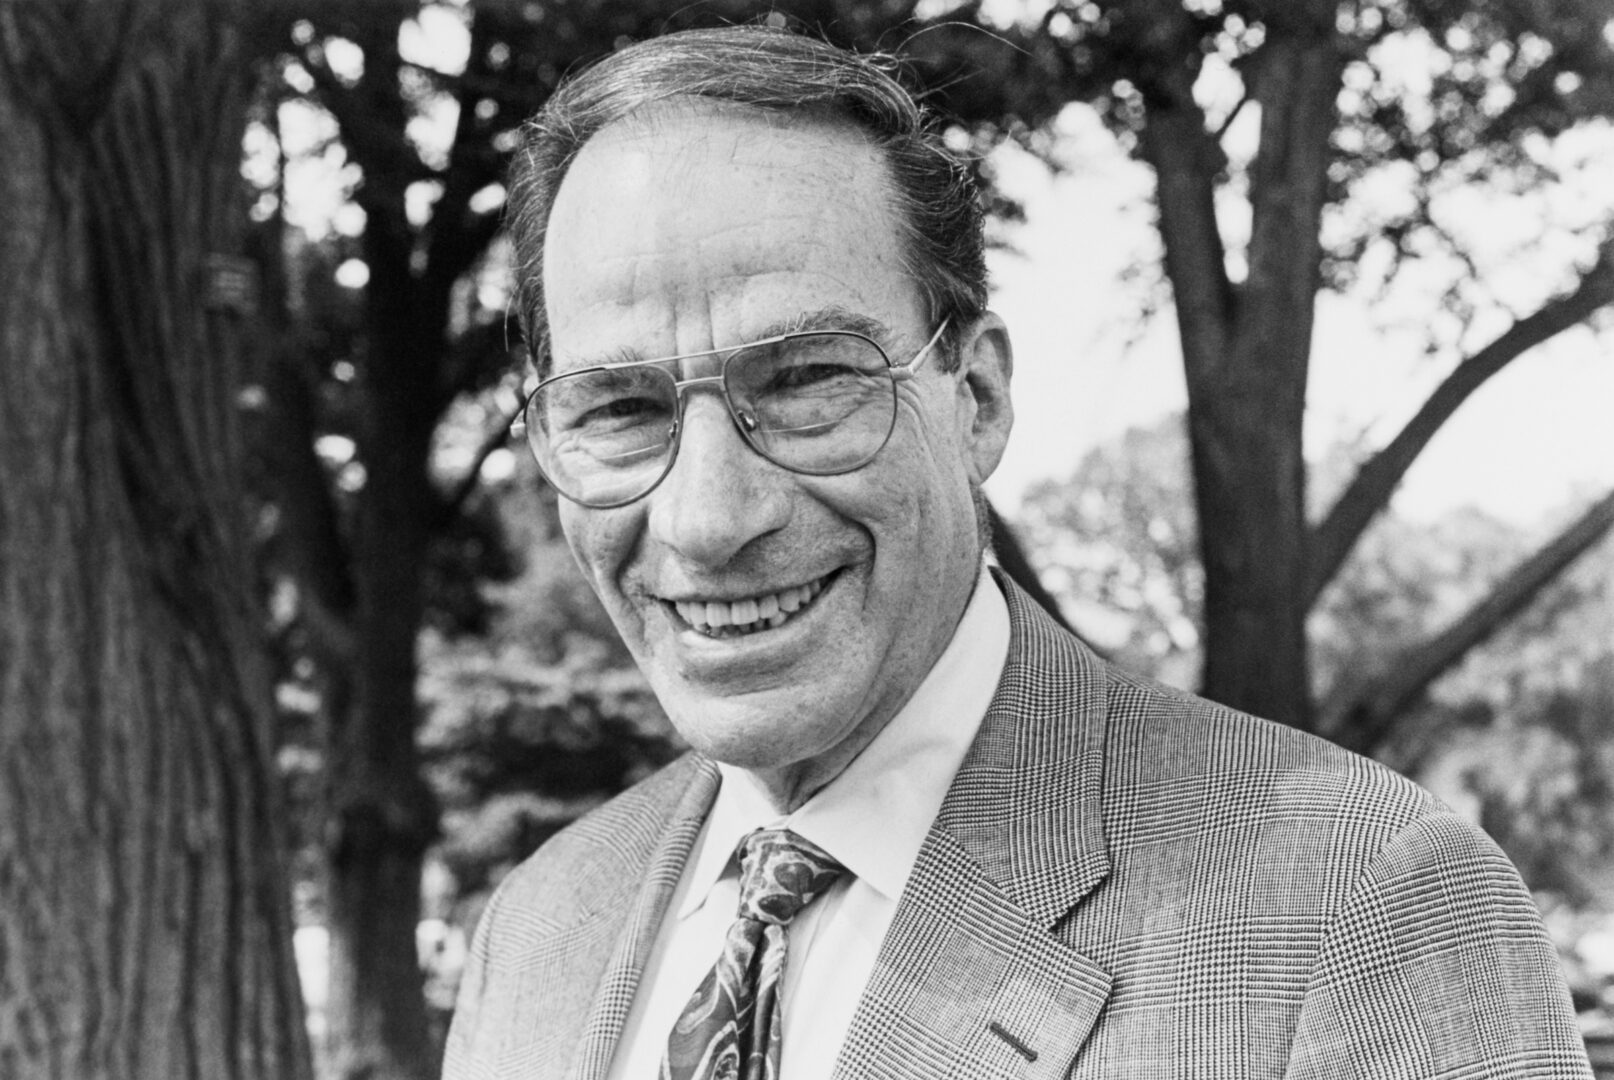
{"x": 147, "y": 930}
{"x": 1261, "y": 119}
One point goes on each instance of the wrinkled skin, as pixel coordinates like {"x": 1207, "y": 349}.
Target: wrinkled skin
{"x": 701, "y": 226}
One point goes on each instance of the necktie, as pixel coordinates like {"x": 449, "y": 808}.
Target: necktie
{"x": 730, "y": 1028}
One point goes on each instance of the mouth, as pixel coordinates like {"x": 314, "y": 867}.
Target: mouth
{"x": 751, "y": 615}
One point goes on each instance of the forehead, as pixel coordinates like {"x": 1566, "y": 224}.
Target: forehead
{"x": 694, "y": 226}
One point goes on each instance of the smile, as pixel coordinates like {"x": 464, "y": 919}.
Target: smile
{"x": 734, "y": 618}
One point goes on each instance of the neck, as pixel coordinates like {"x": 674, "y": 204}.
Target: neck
{"x": 787, "y": 788}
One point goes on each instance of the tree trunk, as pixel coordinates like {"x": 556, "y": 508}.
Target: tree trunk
{"x": 1245, "y": 351}
{"x": 147, "y": 928}
{"x": 1247, "y": 407}
{"x": 385, "y": 815}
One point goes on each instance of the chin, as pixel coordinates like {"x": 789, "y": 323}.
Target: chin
{"x": 750, "y": 739}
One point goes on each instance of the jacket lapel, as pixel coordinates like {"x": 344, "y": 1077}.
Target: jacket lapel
{"x": 971, "y": 981}
{"x": 620, "y": 981}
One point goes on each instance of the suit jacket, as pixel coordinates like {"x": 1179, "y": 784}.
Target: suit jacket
{"x": 1123, "y": 881}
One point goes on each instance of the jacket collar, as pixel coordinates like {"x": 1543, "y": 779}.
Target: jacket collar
{"x": 972, "y": 979}
{"x": 663, "y": 864}
{"x": 1025, "y": 804}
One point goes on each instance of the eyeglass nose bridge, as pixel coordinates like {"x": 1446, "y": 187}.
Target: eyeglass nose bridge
{"x": 741, "y": 418}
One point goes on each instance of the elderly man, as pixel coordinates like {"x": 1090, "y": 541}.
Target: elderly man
{"x": 922, "y": 831}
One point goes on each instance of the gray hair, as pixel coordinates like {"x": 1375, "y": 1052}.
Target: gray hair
{"x": 936, "y": 202}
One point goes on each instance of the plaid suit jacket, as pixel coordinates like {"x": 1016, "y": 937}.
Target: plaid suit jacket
{"x": 1124, "y": 881}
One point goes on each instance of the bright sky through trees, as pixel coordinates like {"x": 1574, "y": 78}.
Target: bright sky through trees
{"x": 1538, "y": 434}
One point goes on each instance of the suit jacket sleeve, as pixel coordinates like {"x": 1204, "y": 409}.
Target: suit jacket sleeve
{"x": 1437, "y": 966}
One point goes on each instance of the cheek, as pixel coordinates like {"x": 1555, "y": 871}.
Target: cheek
{"x": 925, "y": 486}
{"x": 914, "y": 511}
{"x": 599, "y": 541}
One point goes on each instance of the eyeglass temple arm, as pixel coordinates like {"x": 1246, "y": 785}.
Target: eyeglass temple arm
{"x": 910, "y": 370}
{"x": 516, "y": 426}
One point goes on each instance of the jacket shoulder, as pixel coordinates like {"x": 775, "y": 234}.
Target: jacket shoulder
{"x": 1169, "y": 752}
{"x": 1163, "y": 739}
{"x": 587, "y": 863}
{"x": 547, "y": 932}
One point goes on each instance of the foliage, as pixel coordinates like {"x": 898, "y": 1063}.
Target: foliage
{"x": 1117, "y": 544}
{"x": 517, "y": 748}
{"x": 540, "y": 719}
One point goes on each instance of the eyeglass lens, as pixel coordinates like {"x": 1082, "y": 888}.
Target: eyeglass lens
{"x": 819, "y": 403}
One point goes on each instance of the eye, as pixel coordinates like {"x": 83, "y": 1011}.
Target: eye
{"x": 620, "y": 408}
{"x": 809, "y": 364}
{"x": 607, "y": 401}
{"x": 802, "y": 376}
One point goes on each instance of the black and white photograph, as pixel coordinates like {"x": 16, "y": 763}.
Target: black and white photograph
{"x": 806, "y": 539}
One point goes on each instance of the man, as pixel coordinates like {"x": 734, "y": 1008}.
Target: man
{"x": 771, "y": 391}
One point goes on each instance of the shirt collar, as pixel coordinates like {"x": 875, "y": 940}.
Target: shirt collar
{"x": 874, "y": 817}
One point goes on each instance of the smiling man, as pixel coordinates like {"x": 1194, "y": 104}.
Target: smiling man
{"x": 922, "y": 832}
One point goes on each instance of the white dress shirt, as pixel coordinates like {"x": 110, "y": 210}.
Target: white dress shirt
{"x": 872, "y": 819}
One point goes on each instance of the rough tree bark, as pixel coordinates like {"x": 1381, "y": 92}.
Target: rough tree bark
{"x": 147, "y": 927}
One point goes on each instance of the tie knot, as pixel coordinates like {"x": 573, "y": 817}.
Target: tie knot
{"x": 780, "y": 873}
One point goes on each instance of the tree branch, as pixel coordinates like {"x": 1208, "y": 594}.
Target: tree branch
{"x": 1364, "y": 715}
{"x": 317, "y": 551}
{"x": 1187, "y": 161}
{"x": 1369, "y": 492}
{"x": 477, "y": 357}
{"x": 472, "y": 478}
{"x": 457, "y": 237}
{"x": 377, "y": 144}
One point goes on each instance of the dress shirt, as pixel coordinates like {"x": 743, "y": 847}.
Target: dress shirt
{"x": 872, "y": 819}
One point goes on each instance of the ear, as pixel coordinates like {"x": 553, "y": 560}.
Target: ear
{"x": 986, "y": 363}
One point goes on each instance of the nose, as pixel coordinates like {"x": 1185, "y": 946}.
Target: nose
{"x": 720, "y": 495}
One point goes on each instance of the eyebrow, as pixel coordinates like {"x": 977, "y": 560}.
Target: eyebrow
{"x": 831, "y": 317}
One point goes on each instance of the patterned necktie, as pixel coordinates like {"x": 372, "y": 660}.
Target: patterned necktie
{"x": 730, "y": 1028}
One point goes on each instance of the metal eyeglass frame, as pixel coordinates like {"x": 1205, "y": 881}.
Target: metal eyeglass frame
{"x": 744, "y": 423}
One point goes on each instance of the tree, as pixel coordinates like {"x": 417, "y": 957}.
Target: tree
{"x": 1316, "y": 86}
{"x": 147, "y": 928}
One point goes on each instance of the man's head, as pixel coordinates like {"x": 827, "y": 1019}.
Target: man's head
{"x": 703, "y": 191}
{"x": 934, "y": 196}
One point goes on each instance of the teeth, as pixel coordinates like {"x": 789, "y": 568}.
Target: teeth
{"x": 750, "y": 614}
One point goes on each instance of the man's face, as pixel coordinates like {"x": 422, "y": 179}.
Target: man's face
{"x": 698, "y": 228}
